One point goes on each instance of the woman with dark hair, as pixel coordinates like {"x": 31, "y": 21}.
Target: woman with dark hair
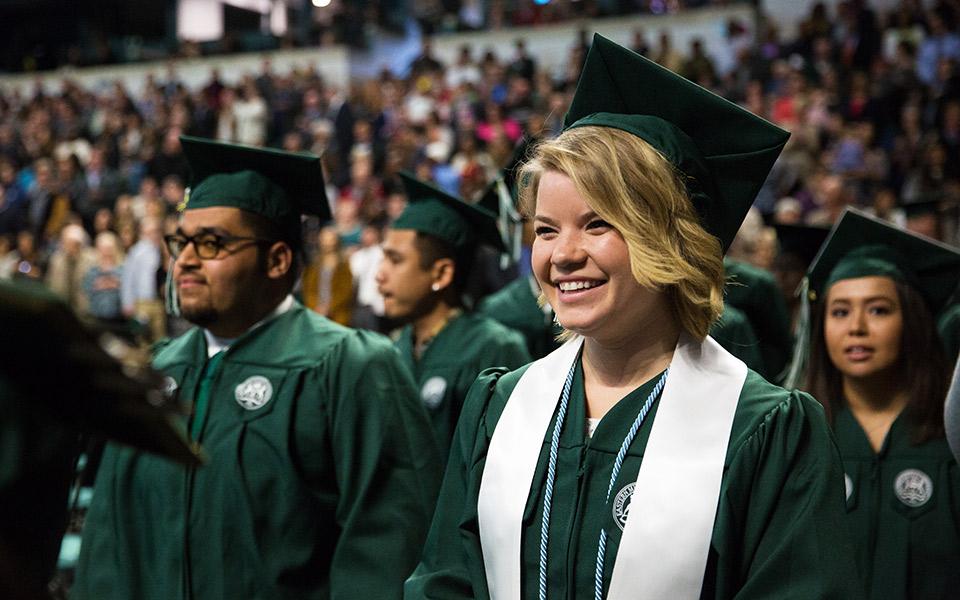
{"x": 878, "y": 366}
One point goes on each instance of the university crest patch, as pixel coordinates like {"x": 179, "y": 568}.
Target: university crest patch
{"x": 254, "y": 392}
{"x": 621, "y": 505}
{"x": 431, "y": 394}
{"x": 913, "y": 487}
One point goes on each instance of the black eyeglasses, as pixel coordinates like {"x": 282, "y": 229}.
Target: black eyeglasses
{"x": 207, "y": 245}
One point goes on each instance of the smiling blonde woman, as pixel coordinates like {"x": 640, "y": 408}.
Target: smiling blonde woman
{"x": 640, "y": 459}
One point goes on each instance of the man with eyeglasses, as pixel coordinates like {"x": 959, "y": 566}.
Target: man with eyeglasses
{"x": 322, "y": 471}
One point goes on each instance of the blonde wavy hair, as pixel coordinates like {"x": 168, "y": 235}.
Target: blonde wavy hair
{"x": 636, "y": 189}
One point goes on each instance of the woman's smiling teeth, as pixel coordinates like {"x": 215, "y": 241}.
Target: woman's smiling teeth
{"x": 572, "y": 286}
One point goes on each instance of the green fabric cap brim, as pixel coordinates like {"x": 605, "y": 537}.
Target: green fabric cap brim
{"x": 724, "y": 150}
{"x": 432, "y": 211}
{"x": 279, "y": 186}
{"x": 861, "y": 246}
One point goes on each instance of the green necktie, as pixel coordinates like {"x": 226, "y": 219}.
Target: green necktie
{"x": 202, "y": 404}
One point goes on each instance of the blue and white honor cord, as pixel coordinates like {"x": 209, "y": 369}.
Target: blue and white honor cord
{"x": 551, "y": 477}
{"x": 552, "y": 473}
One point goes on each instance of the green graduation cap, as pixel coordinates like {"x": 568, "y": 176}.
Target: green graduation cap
{"x": 432, "y": 211}
{"x": 274, "y": 184}
{"x": 800, "y": 242}
{"x": 724, "y": 150}
{"x": 860, "y": 245}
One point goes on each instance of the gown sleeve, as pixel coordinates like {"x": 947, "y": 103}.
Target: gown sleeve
{"x": 452, "y": 564}
{"x": 387, "y": 470}
{"x": 782, "y": 527}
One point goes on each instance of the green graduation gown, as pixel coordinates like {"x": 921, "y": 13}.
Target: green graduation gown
{"x": 948, "y": 326}
{"x": 321, "y": 480}
{"x": 904, "y": 510}
{"x": 466, "y": 346}
{"x": 779, "y": 531}
{"x": 516, "y": 307}
{"x": 734, "y": 332}
{"x": 755, "y": 292}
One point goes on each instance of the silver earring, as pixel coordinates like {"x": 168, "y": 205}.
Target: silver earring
{"x": 435, "y": 287}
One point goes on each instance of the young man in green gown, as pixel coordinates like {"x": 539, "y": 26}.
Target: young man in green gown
{"x": 428, "y": 253}
{"x": 322, "y": 469}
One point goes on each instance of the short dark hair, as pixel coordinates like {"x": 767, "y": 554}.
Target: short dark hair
{"x": 262, "y": 227}
{"x": 921, "y": 361}
{"x": 432, "y": 249}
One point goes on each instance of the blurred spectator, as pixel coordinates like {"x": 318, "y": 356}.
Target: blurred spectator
{"x": 171, "y": 193}
{"x": 226, "y": 129}
{"x": 738, "y": 42}
{"x": 27, "y": 256}
{"x": 522, "y": 65}
{"x": 68, "y": 266}
{"x": 347, "y": 222}
{"x": 884, "y": 206}
{"x": 666, "y": 55}
{"x": 472, "y": 164}
{"x": 139, "y": 285}
{"x": 48, "y": 207}
{"x": 464, "y": 70}
{"x": 939, "y": 43}
{"x": 149, "y": 191}
{"x": 929, "y": 179}
{"x": 698, "y": 67}
{"x": 396, "y": 202}
{"x": 170, "y": 160}
{"x": 101, "y": 284}
{"x": 102, "y": 185}
{"x": 924, "y": 218}
{"x": 816, "y": 25}
{"x": 788, "y": 211}
{"x": 13, "y": 200}
{"x": 494, "y": 123}
{"x": 857, "y": 33}
{"x": 8, "y": 258}
{"x": 425, "y": 63}
{"x": 639, "y": 44}
{"x": 327, "y": 281}
{"x": 250, "y": 116}
{"x": 103, "y": 221}
{"x": 364, "y": 263}
{"x": 831, "y": 196}
{"x": 339, "y": 112}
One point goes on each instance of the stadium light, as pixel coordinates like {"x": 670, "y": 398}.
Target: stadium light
{"x": 321, "y": 3}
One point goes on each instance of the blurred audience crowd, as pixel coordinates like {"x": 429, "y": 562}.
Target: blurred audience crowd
{"x": 90, "y": 179}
